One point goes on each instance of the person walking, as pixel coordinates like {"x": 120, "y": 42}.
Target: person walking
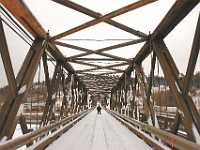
{"x": 99, "y": 109}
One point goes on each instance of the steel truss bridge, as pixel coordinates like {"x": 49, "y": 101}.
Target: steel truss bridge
{"x": 70, "y": 95}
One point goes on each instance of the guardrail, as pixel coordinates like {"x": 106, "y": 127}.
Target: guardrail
{"x": 168, "y": 138}
{"x": 48, "y": 130}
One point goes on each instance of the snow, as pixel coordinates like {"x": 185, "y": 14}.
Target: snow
{"x": 99, "y": 132}
{"x": 17, "y": 133}
{"x": 196, "y": 134}
{"x": 3, "y": 139}
{"x": 177, "y": 87}
{"x": 22, "y": 89}
{"x": 20, "y": 111}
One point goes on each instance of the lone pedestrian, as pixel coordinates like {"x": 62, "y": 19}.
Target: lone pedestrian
{"x": 99, "y": 109}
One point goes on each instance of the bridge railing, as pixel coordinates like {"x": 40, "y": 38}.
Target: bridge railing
{"x": 53, "y": 130}
{"x": 167, "y": 138}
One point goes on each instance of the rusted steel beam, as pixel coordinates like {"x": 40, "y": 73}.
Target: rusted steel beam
{"x": 65, "y": 81}
{"x": 100, "y": 91}
{"x": 90, "y": 73}
{"x": 149, "y": 88}
{"x": 7, "y": 61}
{"x": 21, "y": 12}
{"x": 178, "y": 11}
{"x": 180, "y": 83}
{"x": 136, "y": 41}
{"x": 99, "y": 80}
{"x": 88, "y": 52}
{"x": 94, "y": 14}
{"x": 128, "y": 70}
{"x": 153, "y": 62}
{"x": 109, "y": 73}
{"x": 96, "y": 78}
{"x": 89, "y": 77}
{"x": 188, "y": 99}
{"x": 103, "y": 18}
{"x": 92, "y": 70}
{"x": 24, "y": 84}
{"x": 98, "y": 83}
{"x": 193, "y": 57}
{"x": 98, "y": 52}
{"x": 101, "y": 77}
{"x": 188, "y": 111}
{"x": 134, "y": 98}
{"x": 94, "y": 86}
{"x": 103, "y": 67}
{"x": 49, "y": 89}
{"x": 109, "y": 55}
{"x": 71, "y": 46}
{"x": 96, "y": 59}
{"x": 144, "y": 87}
{"x": 54, "y": 86}
{"x": 60, "y": 57}
{"x": 97, "y": 66}
{"x": 99, "y": 87}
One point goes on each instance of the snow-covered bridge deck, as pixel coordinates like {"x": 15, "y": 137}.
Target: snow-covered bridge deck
{"x": 98, "y": 132}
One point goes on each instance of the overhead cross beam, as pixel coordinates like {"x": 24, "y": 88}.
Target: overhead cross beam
{"x": 89, "y": 77}
{"x": 103, "y": 67}
{"x": 97, "y": 66}
{"x": 109, "y": 73}
{"x": 103, "y": 18}
{"x": 96, "y": 59}
{"x": 96, "y": 15}
{"x": 99, "y": 51}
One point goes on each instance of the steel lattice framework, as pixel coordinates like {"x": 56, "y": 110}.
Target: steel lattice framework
{"x": 80, "y": 83}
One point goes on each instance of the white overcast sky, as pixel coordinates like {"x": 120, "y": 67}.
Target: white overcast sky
{"x": 57, "y": 18}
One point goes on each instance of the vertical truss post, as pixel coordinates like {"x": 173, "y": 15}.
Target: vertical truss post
{"x": 148, "y": 93}
{"x": 84, "y": 97}
{"x": 117, "y": 100}
{"x": 64, "y": 102}
{"x": 125, "y": 89}
{"x": 134, "y": 100}
{"x": 49, "y": 89}
{"x": 144, "y": 87}
{"x": 72, "y": 93}
{"x": 55, "y": 88}
{"x": 120, "y": 99}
